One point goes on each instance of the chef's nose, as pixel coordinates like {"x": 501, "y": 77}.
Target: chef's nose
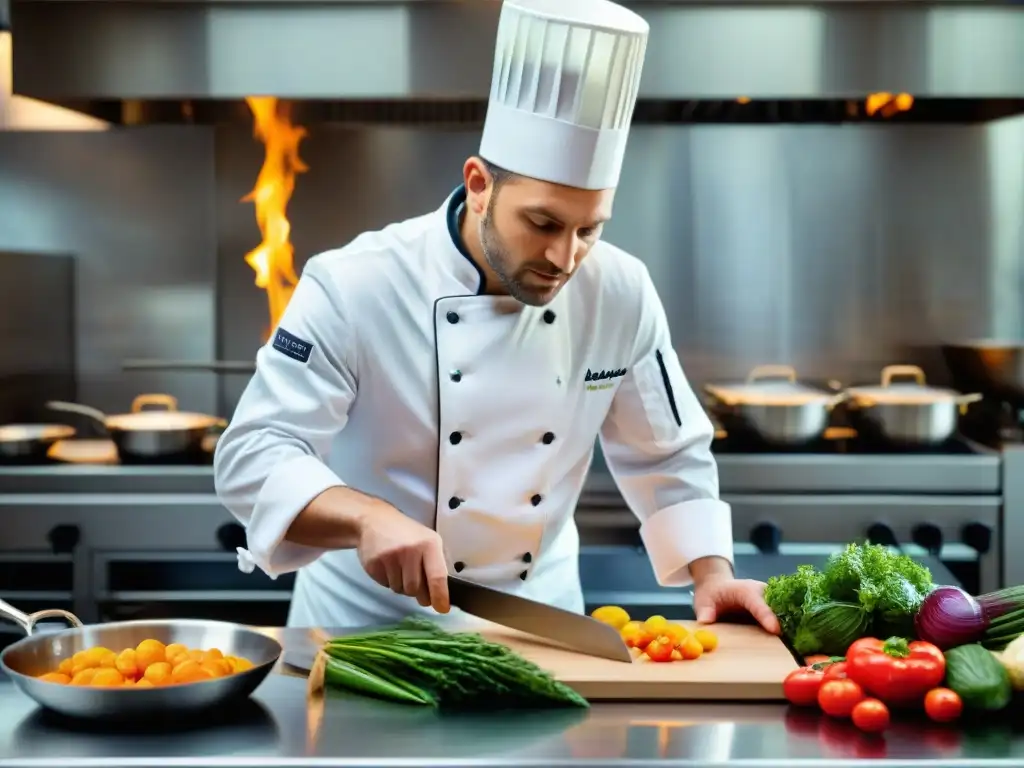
{"x": 562, "y": 253}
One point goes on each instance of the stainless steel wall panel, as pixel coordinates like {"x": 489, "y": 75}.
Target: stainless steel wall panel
{"x": 838, "y": 250}
{"x": 834, "y": 249}
{"x": 135, "y": 207}
{"x": 37, "y": 333}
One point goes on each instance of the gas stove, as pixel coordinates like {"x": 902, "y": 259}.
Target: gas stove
{"x": 944, "y": 501}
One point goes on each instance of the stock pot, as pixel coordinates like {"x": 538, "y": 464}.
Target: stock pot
{"x": 905, "y": 410}
{"x": 773, "y": 406}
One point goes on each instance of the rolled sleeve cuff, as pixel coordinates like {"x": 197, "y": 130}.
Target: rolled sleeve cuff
{"x": 290, "y": 487}
{"x": 676, "y": 536}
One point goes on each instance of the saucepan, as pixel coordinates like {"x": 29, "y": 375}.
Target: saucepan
{"x": 772, "y": 405}
{"x": 40, "y": 653}
{"x": 907, "y": 412}
{"x": 151, "y": 434}
{"x": 30, "y": 442}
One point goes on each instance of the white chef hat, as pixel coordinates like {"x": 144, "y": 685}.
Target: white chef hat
{"x": 565, "y": 82}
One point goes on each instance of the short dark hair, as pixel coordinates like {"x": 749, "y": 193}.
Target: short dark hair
{"x": 499, "y": 175}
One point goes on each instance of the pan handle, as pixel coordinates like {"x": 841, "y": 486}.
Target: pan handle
{"x": 835, "y": 400}
{"x": 82, "y": 410}
{"x": 28, "y": 621}
{"x": 760, "y": 372}
{"x": 164, "y": 402}
{"x": 892, "y": 371}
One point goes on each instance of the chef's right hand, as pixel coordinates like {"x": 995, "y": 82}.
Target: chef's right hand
{"x": 406, "y": 557}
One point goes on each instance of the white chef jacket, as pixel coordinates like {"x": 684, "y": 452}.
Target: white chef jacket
{"x": 476, "y": 415}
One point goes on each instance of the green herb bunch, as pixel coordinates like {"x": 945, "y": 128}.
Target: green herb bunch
{"x": 865, "y": 589}
{"x": 417, "y": 662}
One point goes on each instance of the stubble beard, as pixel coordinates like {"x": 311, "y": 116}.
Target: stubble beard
{"x": 499, "y": 259}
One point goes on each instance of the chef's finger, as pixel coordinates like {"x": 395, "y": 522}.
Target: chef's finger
{"x": 759, "y": 609}
{"x": 412, "y": 577}
{"x": 704, "y": 609}
{"x": 436, "y": 571}
{"x": 378, "y": 573}
{"x": 395, "y": 581}
{"x": 706, "y": 615}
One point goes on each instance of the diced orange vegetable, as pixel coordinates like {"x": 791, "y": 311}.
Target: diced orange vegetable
{"x": 691, "y": 648}
{"x": 708, "y": 640}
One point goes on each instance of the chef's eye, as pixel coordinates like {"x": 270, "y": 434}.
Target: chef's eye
{"x": 545, "y": 225}
{"x": 587, "y": 232}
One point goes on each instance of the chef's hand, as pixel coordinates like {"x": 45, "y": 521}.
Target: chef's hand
{"x": 405, "y": 556}
{"x": 717, "y": 591}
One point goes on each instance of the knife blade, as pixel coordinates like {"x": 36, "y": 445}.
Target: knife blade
{"x": 578, "y": 633}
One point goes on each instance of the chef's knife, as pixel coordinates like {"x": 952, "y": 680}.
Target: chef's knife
{"x": 579, "y": 633}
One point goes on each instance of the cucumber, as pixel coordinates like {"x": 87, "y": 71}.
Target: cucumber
{"x": 978, "y": 677}
{"x": 836, "y": 625}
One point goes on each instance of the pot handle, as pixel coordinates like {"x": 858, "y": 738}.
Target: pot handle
{"x": 964, "y": 400}
{"x": 772, "y": 372}
{"x": 892, "y": 371}
{"x": 82, "y": 410}
{"x": 28, "y": 621}
{"x": 161, "y": 401}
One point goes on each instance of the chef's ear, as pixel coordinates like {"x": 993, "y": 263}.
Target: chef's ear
{"x": 479, "y": 184}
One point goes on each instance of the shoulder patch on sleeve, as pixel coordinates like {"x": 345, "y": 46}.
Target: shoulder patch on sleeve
{"x": 292, "y": 346}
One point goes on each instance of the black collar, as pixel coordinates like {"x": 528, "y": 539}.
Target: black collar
{"x": 456, "y": 206}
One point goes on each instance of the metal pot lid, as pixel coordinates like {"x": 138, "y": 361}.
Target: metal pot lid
{"x": 915, "y": 392}
{"x": 770, "y": 385}
{"x": 160, "y": 421}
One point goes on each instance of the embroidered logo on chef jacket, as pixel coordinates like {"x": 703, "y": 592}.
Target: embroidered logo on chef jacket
{"x": 292, "y": 346}
{"x": 603, "y": 379}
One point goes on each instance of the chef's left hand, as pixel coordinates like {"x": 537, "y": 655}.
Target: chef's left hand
{"x": 718, "y": 593}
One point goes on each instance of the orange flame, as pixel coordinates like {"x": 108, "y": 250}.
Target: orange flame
{"x": 273, "y": 258}
{"x": 888, "y": 104}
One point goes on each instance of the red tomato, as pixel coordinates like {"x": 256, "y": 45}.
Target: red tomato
{"x": 836, "y": 671}
{"x": 943, "y": 705}
{"x": 660, "y": 649}
{"x": 863, "y": 644}
{"x": 870, "y": 715}
{"x": 838, "y": 697}
{"x": 801, "y": 686}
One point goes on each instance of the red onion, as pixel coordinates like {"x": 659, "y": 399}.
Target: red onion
{"x": 949, "y": 617}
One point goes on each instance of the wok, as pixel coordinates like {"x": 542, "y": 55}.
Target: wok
{"x": 37, "y": 654}
{"x": 994, "y": 368}
{"x": 151, "y": 434}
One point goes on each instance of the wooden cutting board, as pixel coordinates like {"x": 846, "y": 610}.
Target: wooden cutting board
{"x": 749, "y": 664}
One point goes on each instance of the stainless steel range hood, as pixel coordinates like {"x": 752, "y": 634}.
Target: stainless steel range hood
{"x": 180, "y": 56}
{"x": 18, "y": 113}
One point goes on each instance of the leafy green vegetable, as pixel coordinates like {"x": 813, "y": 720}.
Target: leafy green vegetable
{"x": 863, "y": 588}
{"x": 417, "y": 662}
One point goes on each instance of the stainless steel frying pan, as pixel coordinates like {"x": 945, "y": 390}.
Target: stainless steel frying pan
{"x": 30, "y": 441}
{"x": 37, "y": 654}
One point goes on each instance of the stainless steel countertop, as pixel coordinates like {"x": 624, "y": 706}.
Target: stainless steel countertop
{"x": 279, "y": 728}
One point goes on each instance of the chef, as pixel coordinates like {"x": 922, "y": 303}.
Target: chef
{"x": 430, "y": 400}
